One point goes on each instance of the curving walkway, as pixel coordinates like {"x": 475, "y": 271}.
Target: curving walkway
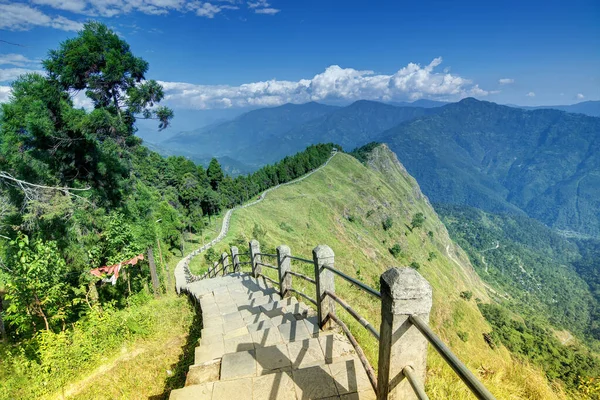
{"x": 182, "y": 273}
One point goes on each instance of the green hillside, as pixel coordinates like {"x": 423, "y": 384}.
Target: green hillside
{"x": 498, "y": 158}
{"x": 346, "y": 206}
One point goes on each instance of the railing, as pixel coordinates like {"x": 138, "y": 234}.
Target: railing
{"x": 404, "y": 334}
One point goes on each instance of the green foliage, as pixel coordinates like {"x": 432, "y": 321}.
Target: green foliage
{"x": 464, "y": 336}
{"x": 387, "y": 223}
{"x": 527, "y": 260}
{"x": 467, "y": 295}
{"x": 102, "y": 64}
{"x": 415, "y": 265}
{"x": 395, "y": 250}
{"x": 37, "y": 292}
{"x": 211, "y": 256}
{"x": 432, "y": 256}
{"x": 530, "y": 340}
{"x": 286, "y": 227}
{"x": 418, "y": 220}
{"x": 214, "y": 174}
{"x": 362, "y": 153}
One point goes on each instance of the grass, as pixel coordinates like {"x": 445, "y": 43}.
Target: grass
{"x": 344, "y": 206}
{"x": 114, "y": 354}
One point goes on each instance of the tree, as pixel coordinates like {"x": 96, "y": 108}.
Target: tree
{"x": 214, "y": 173}
{"x": 102, "y": 64}
{"x": 418, "y": 220}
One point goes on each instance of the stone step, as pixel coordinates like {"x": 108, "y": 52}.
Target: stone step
{"x": 344, "y": 379}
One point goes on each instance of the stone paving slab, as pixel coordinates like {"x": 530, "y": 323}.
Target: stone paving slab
{"x": 240, "y": 389}
{"x": 314, "y": 383}
{"x": 272, "y": 358}
{"x": 275, "y": 386}
{"x": 238, "y": 365}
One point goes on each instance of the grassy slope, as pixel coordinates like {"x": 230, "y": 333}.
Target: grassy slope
{"x": 319, "y": 210}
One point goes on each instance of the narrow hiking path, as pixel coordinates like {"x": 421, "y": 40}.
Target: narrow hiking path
{"x": 182, "y": 274}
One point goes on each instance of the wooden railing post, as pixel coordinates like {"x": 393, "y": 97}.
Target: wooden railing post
{"x": 284, "y": 264}
{"x": 235, "y": 259}
{"x": 404, "y": 292}
{"x": 255, "y": 257}
{"x": 225, "y": 262}
{"x": 323, "y": 256}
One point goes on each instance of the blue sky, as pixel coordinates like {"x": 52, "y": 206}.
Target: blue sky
{"x": 235, "y": 54}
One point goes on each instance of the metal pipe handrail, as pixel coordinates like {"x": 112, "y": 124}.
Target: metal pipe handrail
{"x": 303, "y": 295}
{"x": 273, "y": 281}
{"x": 265, "y": 254}
{"x": 306, "y": 260}
{"x": 305, "y": 277}
{"x": 359, "y": 351}
{"x": 414, "y": 381}
{"x": 266, "y": 265}
{"x": 354, "y": 281}
{"x": 355, "y": 314}
{"x": 461, "y": 369}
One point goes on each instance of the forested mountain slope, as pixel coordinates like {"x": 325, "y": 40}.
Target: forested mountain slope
{"x": 349, "y": 127}
{"x": 545, "y": 163}
{"x": 229, "y": 137}
{"x": 370, "y": 218}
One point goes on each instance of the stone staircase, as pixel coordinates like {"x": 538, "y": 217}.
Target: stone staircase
{"x": 255, "y": 346}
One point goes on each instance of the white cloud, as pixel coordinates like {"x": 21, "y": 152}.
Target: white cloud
{"x": 208, "y": 10}
{"x": 268, "y": 11}
{"x": 334, "y": 84}
{"x": 17, "y": 60}
{"x": 580, "y": 96}
{"x": 4, "y": 93}
{"x": 530, "y": 94}
{"x": 20, "y": 17}
{"x": 10, "y": 74}
{"x": 262, "y": 7}
{"x": 258, "y": 4}
{"x": 506, "y": 81}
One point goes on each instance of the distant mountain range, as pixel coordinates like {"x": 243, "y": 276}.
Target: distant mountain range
{"x": 541, "y": 162}
{"x": 545, "y": 163}
{"x": 591, "y": 108}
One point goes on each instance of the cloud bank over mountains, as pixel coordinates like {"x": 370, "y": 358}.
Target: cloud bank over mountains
{"x": 412, "y": 82}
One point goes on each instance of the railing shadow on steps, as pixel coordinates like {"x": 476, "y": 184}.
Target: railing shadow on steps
{"x": 404, "y": 334}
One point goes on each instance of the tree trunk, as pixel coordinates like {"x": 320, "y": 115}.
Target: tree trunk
{"x": 153, "y": 275}
{"x": 92, "y": 293}
{"x": 2, "y": 330}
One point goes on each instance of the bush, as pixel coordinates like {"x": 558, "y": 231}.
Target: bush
{"x": 466, "y": 295}
{"x": 286, "y": 227}
{"x": 464, "y": 336}
{"x": 395, "y": 250}
{"x": 432, "y": 256}
{"x": 418, "y": 220}
{"x": 387, "y": 224}
{"x": 415, "y": 265}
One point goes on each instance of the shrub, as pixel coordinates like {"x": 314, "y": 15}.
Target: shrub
{"x": 432, "y": 256}
{"x": 415, "y": 265}
{"x": 395, "y": 250}
{"x": 418, "y": 220}
{"x": 387, "y": 224}
{"x": 466, "y": 295}
{"x": 464, "y": 336}
{"x": 286, "y": 227}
